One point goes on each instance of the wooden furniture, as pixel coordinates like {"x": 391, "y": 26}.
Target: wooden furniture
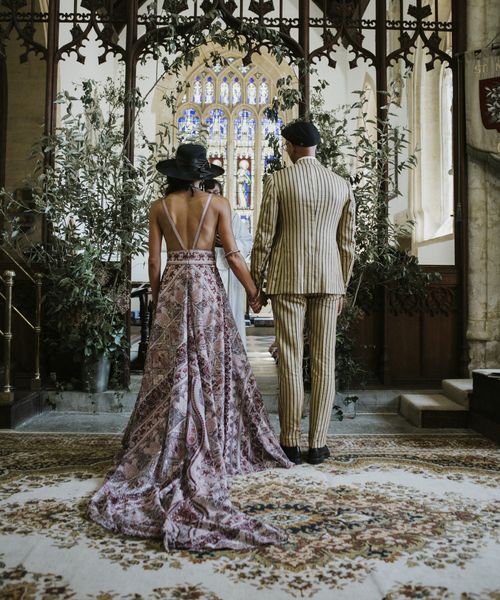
{"x": 485, "y": 403}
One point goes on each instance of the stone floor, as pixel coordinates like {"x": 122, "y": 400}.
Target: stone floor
{"x": 376, "y": 410}
{"x": 115, "y": 423}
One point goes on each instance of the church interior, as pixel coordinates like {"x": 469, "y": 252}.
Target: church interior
{"x": 406, "y": 96}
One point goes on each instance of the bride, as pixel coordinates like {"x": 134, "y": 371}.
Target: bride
{"x": 199, "y": 417}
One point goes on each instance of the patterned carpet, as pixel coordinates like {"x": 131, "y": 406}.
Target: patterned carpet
{"x": 388, "y": 516}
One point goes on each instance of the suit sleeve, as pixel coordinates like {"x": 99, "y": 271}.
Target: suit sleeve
{"x": 266, "y": 230}
{"x": 345, "y": 236}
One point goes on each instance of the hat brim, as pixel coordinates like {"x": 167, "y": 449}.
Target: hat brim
{"x": 170, "y": 168}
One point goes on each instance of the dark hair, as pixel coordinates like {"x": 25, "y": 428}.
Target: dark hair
{"x": 209, "y": 184}
{"x": 174, "y": 185}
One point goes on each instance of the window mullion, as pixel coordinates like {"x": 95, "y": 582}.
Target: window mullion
{"x": 230, "y": 158}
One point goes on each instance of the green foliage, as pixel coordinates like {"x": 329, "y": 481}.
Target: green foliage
{"x": 95, "y": 204}
{"x": 372, "y": 155}
{"x": 182, "y": 40}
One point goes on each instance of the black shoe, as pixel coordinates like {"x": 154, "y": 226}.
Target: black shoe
{"x": 292, "y": 453}
{"x": 317, "y": 455}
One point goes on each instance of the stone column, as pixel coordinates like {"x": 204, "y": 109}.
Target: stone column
{"x": 483, "y": 331}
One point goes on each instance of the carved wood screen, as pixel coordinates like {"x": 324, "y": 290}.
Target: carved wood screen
{"x": 398, "y": 342}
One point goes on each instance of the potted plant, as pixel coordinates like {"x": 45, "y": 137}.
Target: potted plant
{"x": 94, "y": 203}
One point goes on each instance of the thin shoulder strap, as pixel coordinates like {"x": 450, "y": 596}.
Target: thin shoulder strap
{"x": 174, "y": 228}
{"x": 198, "y": 231}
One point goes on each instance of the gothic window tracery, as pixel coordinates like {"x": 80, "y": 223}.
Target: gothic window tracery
{"x": 263, "y": 92}
{"x": 236, "y": 91}
{"x": 227, "y": 105}
{"x": 197, "y": 91}
{"x": 251, "y": 92}
{"x": 189, "y": 122}
{"x": 209, "y": 91}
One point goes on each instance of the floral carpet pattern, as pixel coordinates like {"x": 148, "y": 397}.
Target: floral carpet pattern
{"x": 387, "y": 516}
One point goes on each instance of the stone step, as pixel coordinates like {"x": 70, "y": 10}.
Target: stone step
{"x": 458, "y": 390}
{"x": 23, "y": 405}
{"x": 432, "y": 410}
{"x": 105, "y": 402}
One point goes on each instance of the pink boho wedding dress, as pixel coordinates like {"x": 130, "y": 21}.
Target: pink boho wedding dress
{"x": 199, "y": 419}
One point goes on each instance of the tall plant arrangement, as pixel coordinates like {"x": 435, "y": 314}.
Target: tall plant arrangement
{"x": 372, "y": 155}
{"x": 95, "y": 203}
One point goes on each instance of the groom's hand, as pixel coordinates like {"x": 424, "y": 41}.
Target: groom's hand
{"x": 258, "y": 302}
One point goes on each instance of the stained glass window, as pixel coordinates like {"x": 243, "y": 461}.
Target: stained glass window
{"x": 244, "y": 182}
{"x": 233, "y": 127}
{"x": 244, "y": 137}
{"x": 236, "y": 91}
{"x": 218, "y": 158}
{"x": 247, "y": 221}
{"x": 217, "y": 125}
{"x": 269, "y": 126}
{"x": 244, "y": 128}
{"x": 251, "y": 92}
{"x": 209, "y": 91}
{"x": 197, "y": 91}
{"x": 224, "y": 91}
{"x": 189, "y": 122}
{"x": 263, "y": 92}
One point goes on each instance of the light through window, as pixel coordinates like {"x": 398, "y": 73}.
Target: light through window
{"x": 228, "y": 102}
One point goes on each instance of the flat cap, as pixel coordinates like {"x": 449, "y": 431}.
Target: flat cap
{"x": 301, "y": 133}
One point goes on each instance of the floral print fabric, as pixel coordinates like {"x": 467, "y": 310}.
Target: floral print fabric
{"x": 199, "y": 418}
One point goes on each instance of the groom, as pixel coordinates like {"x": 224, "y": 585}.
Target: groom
{"x": 305, "y": 243}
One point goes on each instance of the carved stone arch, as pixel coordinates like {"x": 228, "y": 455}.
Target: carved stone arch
{"x": 415, "y": 206}
{"x": 369, "y": 88}
{"x": 216, "y": 105}
{"x": 432, "y": 232}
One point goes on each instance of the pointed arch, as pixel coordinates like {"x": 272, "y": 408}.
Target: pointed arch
{"x": 231, "y": 118}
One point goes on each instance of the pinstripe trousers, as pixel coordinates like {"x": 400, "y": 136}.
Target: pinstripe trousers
{"x": 291, "y": 312}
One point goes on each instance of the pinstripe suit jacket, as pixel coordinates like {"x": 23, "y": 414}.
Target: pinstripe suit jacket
{"x": 305, "y": 234}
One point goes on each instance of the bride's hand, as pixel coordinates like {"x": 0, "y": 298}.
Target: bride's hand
{"x": 258, "y": 302}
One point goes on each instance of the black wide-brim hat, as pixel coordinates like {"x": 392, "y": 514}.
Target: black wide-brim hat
{"x": 190, "y": 163}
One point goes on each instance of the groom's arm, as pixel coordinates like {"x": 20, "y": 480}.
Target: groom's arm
{"x": 345, "y": 237}
{"x": 266, "y": 229}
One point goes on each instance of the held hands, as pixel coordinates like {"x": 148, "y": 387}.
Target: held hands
{"x": 257, "y": 302}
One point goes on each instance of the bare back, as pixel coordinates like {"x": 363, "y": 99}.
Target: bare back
{"x": 187, "y": 212}
{"x": 188, "y": 222}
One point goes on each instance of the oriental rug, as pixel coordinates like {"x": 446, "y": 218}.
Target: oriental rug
{"x": 387, "y": 516}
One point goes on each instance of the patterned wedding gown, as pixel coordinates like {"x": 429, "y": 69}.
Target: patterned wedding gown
{"x": 198, "y": 419}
